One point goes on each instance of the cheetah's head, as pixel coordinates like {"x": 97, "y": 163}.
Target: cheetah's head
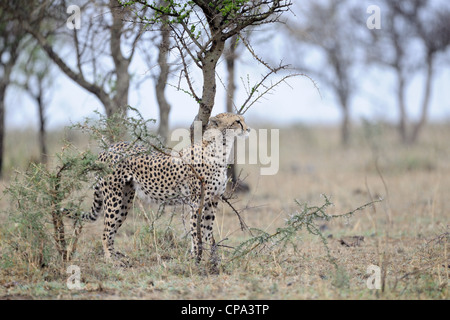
{"x": 226, "y": 122}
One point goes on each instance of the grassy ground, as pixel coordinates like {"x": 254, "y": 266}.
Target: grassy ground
{"x": 406, "y": 234}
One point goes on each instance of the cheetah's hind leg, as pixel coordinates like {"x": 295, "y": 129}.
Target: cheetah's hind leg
{"x": 116, "y": 210}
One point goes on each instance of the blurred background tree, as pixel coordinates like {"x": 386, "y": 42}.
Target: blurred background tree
{"x": 11, "y": 35}
{"x": 96, "y": 56}
{"x": 324, "y": 29}
{"x": 414, "y": 37}
{"x": 34, "y": 74}
{"x": 327, "y": 40}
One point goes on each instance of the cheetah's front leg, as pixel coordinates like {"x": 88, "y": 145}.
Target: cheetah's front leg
{"x": 205, "y": 228}
{"x": 207, "y": 223}
{"x": 197, "y": 243}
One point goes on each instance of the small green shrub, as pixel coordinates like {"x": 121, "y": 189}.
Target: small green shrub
{"x": 36, "y": 236}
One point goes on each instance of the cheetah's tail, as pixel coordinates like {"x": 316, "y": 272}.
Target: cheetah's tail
{"x": 96, "y": 209}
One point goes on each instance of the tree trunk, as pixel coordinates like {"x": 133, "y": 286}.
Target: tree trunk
{"x": 2, "y": 124}
{"x": 209, "y": 93}
{"x": 164, "y": 110}
{"x": 345, "y": 124}
{"x": 41, "y": 109}
{"x": 4, "y": 82}
{"x": 209, "y": 84}
{"x": 403, "y": 121}
{"x": 231, "y": 87}
{"x": 121, "y": 64}
{"x": 425, "y": 102}
{"x": 230, "y": 61}
{"x": 345, "y": 127}
{"x": 164, "y": 106}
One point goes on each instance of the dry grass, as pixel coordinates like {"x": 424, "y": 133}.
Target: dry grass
{"x": 406, "y": 235}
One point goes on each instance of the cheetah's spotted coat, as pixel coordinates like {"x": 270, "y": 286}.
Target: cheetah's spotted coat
{"x": 164, "y": 178}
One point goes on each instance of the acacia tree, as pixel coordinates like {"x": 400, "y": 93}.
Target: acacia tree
{"x": 11, "y": 35}
{"x": 325, "y": 28}
{"x": 413, "y": 36}
{"x": 102, "y": 48}
{"x": 200, "y": 29}
{"x": 161, "y": 76}
{"x": 34, "y": 75}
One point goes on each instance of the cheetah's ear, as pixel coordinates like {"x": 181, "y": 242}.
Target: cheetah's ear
{"x": 214, "y": 121}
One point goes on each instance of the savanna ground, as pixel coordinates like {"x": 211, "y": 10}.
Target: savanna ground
{"x": 406, "y": 234}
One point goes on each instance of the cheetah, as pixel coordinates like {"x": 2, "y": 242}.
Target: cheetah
{"x": 196, "y": 176}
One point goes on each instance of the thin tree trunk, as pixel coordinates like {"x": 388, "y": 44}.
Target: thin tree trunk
{"x": 345, "y": 126}
{"x": 230, "y": 61}
{"x": 208, "y": 94}
{"x": 231, "y": 87}
{"x": 164, "y": 106}
{"x": 4, "y": 82}
{"x": 209, "y": 84}
{"x": 2, "y": 124}
{"x": 425, "y": 102}
{"x": 232, "y": 171}
{"x": 121, "y": 64}
{"x": 164, "y": 110}
{"x": 41, "y": 109}
{"x": 402, "y": 124}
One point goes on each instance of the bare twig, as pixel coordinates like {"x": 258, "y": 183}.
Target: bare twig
{"x": 244, "y": 226}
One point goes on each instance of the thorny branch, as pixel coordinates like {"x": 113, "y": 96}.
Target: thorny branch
{"x": 306, "y": 218}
